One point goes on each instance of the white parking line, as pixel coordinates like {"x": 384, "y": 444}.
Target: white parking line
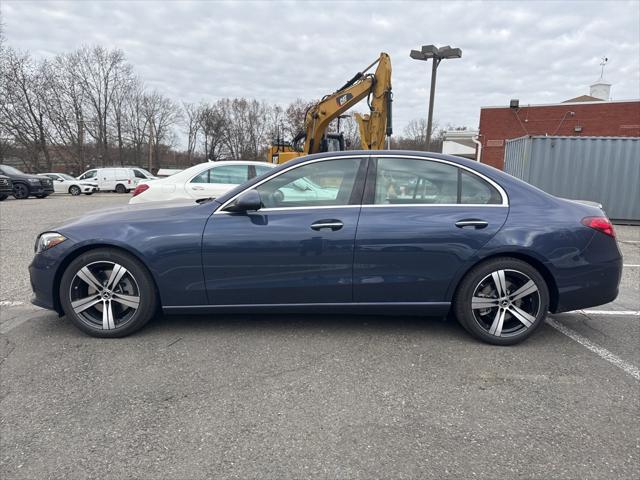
{"x": 634, "y": 313}
{"x": 601, "y": 352}
{"x": 9, "y": 303}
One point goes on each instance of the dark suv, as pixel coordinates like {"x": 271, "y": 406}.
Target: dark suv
{"x": 6, "y": 187}
{"x": 26, "y": 185}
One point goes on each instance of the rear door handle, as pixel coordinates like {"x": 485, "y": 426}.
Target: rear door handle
{"x": 472, "y": 222}
{"x": 331, "y": 224}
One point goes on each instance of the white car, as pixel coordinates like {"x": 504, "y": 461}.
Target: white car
{"x": 63, "y": 183}
{"x": 206, "y": 180}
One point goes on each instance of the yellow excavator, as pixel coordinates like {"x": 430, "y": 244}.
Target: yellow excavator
{"x": 374, "y": 126}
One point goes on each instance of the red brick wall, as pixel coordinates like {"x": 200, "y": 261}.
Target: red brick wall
{"x": 606, "y": 119}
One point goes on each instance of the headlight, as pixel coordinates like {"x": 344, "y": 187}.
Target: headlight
{"x": 48, "y": 240}
{"x": 33, "y": 180}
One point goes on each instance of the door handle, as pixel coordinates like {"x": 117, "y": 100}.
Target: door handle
{"x": 332, "y": 224}
{"x": 195, "y": 187}
{"x": 472, "y": 222}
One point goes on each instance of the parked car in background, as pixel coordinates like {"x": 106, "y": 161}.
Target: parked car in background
{"x": 26, "y": 185}
{"x": 111, "y": 179}
{"x": 410, "y": 232}
{"x": 206, "y": 180}
{"x": 6, "y": 187}
{"x": 64, "y": 183}
{"x": 141, "y": 174}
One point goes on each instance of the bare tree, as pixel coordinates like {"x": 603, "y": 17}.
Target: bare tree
{"x": 101, "y": 73}
{"x": 212, "y": 124}
{"x": 161, "y": 113}
{"x": 23, "y": 107}
{"x": 192, "y": 117}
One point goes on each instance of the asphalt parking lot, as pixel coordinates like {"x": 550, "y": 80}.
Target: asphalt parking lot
{"x": 276, "y": 396}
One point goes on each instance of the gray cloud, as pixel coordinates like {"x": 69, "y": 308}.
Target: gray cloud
{"x": 539, "y": 52}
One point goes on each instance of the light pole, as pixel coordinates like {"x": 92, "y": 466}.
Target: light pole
{"x": 437, "y": 54}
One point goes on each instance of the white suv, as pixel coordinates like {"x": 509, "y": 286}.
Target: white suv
{"x": 206, "y": 180}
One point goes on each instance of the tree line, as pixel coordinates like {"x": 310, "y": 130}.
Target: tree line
{"x": 88, "y": 108}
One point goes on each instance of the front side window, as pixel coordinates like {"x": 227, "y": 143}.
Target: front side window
{"x": 231, "y": 174}
{"x": 89, "y": 174}
{"x": 412, "y": 181}
{"x": 324, "y": 183}
{"x": 139, "y": 174}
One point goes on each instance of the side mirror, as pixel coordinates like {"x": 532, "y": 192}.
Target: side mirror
{"x": 248, "y": 201}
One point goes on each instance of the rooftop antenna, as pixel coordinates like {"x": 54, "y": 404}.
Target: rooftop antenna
{"x": 603, "y": 63}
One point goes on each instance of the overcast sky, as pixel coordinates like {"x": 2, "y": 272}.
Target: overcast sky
{"x": 538, "y": 52}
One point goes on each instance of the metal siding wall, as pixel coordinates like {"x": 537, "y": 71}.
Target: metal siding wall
{"x": 601, "y": 169}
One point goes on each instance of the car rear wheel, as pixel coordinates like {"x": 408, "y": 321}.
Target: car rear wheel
{"x": 107, "y": 293}
{"x": 74, "y": 190}
{"x": 121, "y": 188}
{"x": 20, "y": 191}
{"x": 3, "y": 197}
{"x": 502, "y": 301}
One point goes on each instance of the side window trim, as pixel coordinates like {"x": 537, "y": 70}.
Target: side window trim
{"x": 369, "y": 194}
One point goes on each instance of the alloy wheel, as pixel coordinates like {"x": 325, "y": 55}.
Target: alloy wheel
{"x": 506, "y": 303}
{"x": 104, "y": 295}
{"x": 74, "y": 190}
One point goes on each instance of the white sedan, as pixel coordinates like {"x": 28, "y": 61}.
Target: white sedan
{"x": 63, "y": 183}
{"x": 206, "y": 180}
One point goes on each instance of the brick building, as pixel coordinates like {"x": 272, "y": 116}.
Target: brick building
{"x": 586, "y": 115}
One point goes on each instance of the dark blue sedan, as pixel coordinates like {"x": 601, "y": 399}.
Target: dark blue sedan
{"x": 385, "y": 232}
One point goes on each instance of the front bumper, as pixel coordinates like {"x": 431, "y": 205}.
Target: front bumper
{"x": 44, "y": 275}
{"x": 89, "y": 188}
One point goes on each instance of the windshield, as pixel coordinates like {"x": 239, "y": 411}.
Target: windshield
{"x": 11, "y": 170}
{"x": 144, "y": 171}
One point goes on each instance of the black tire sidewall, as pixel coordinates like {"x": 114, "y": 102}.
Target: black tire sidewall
{"x": 3, "y": 197}
{"x": 462, "y": 300}
{"x": 148, "y": 298}
{"x": 19, "y": 186}
{"x": 121, "y": 188}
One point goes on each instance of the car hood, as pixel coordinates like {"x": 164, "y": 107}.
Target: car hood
{"x": 122, "y": 217}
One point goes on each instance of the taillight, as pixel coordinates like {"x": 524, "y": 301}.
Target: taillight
{"x": 602, "y": 224}
{"x": 140, "y": 188}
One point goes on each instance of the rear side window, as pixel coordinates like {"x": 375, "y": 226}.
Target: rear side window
{"x": 233, "y": 174}
{"x": 404, "y": 181}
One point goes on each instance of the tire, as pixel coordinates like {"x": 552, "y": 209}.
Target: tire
{"x": 3, "y": 197}
{"x": 20, "y": 191}
{"x": 135, "y": 287}
{"x": 121, "y": 188}
{"x": 502, "y": 319}
{"x": 74, "y": 190}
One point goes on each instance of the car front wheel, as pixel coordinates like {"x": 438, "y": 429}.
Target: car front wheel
{"x": 74, "y": 190}
{"x": 107, "y": 293}
{"x": 20, "y": 191}
{"x": 502, "y": 301}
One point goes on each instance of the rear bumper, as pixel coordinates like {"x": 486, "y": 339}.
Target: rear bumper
{"x": 595, "y": 281}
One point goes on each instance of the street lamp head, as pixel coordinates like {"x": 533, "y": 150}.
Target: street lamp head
{"x": 448, "y": 52}
{"x": 430, "y": 50}
{"x": 417, "y": 55}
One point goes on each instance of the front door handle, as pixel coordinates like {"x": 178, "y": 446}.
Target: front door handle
{"x": 331, "y": 224}
{"x": 472, "y": 222}
{"x": 195, "y": 187}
